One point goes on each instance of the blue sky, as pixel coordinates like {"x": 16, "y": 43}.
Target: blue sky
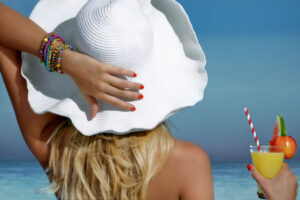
{"x": 252, "y": 49}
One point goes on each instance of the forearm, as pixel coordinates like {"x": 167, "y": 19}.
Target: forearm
{"x": 19, "y": 32}
{"x": 32, "y": 125}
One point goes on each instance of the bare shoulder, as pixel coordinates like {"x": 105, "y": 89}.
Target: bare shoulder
{"x": 191, "y": 153}
{"x": 194, "y": 171}
{"x": 186, "y": 174}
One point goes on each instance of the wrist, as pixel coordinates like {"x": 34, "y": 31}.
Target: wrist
{"x": 65, "y": 60}
{"x": 52, "y": 50}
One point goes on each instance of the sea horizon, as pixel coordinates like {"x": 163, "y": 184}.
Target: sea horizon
{"x": 232, "y": 181}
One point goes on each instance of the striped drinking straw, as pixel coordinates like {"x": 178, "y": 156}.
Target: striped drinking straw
{"x": 252, "y": 128}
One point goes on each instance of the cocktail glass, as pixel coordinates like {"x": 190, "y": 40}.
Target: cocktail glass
{"x": 268, "y": 162}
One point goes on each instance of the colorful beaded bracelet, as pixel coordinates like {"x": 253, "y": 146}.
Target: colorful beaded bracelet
{"x": 50, "y": 55}
{"x": 48, "y": 50}
{"x": 48, "y": 41}
{"x": 58, "y": 66}
{"x": 54, "y": 55}
{"x": 44, "y": 41}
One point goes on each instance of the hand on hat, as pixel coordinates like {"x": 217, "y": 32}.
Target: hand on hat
{"x": 283, "y": 186}
{"x": 96, "y": 80}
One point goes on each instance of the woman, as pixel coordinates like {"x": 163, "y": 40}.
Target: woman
{"x": 106, "y": 166}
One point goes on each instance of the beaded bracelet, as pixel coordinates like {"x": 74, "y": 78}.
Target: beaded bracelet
{"x": 61, "y": 51}
{"x": 54, "y": 55}
{"x": 48, "y": 51}
{"x": 50, "y": 55}
{"x": 48, "y": 40}
{"x": 44, "y": 41}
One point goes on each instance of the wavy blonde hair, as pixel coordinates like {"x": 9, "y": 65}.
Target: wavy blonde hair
{"x": 106, "y": 166}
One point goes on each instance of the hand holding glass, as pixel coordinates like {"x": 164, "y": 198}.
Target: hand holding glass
{"x": 268, "y": 162}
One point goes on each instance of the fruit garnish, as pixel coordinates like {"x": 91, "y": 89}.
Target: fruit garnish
{"x": 279, "y": 128}
{"x": 280, "y": 138}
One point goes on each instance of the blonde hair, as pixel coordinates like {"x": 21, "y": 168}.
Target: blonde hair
{"x": 106, "y": 166}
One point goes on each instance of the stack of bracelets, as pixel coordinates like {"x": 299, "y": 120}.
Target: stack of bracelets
{"x": 50, "y": 57}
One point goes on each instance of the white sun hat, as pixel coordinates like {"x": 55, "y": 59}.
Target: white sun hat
{"x": 154, "y": 38}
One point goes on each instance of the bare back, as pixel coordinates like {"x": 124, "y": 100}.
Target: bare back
{"x": 186, "y": 175}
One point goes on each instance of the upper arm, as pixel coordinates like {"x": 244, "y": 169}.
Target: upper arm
{"x": 32, "y": 125}
{"x": 196, "y": 174}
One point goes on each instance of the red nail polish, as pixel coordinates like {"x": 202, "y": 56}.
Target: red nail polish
{"x": 249, "y": 167}
{"x": 141, "y": 87}
{"x": 133, "y": 109}
{"x": 141, "y": 96}
{"x": 134, "y": 74}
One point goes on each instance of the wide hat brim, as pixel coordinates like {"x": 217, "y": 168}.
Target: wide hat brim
{"x": 174, "y": 77}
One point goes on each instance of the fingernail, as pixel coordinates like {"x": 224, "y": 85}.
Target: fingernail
{"x": 133, "y": 109}
{"x": 141, "y": 87}
{"x": 141, "y": 96}
{"x": 249, "y": 167}
{"x": 134, "y": 74}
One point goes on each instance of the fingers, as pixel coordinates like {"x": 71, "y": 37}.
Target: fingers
{"x": 285, "y": 170}
{"x": 292, "y": 178}
{"x": 92, "y": 101}
{"x": 112, "y": 87}
{"x": 123, "y": 93}
{"x": 122, "y": 84}
{"x": 120, "y": 71}
{"x": 116, "y": 102}
{"x": 256, "y": 175}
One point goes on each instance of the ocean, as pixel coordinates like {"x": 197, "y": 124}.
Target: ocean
{"x": 26, "y": 180}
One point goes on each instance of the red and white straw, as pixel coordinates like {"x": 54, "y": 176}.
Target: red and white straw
{"x": 252, "y": 129}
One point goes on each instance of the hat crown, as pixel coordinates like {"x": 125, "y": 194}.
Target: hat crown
{"x": 115, "y": 32}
